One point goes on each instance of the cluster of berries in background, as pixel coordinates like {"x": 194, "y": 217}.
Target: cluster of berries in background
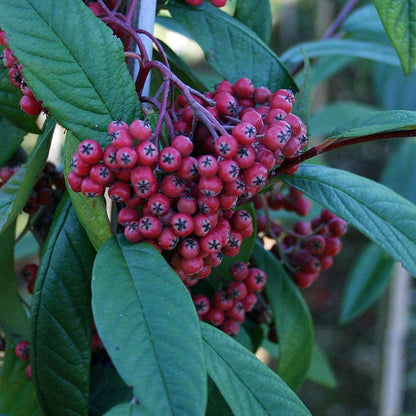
{"x": 308, "y": 247}
{"x": 28, "y": 103}
{"x": 22, "y": 352}
{"x": 228, "y": 306}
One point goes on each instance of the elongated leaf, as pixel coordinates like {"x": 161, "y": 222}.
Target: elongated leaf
{"x": 91, "y": 212}
{"x": 149, "y": 327}
{"x": 347, "y": 47}
{"x": 61, "y": 317}
{"x": 15, "y": 193}
{"x": 399, "y": 20}
{"x": 292, "y": 319}
{"x": 256, "y": 15}
{"x": 14, "y": 321}
{"x": 248, "y": 385}
{"x": 72, "y": 62}
{"x": 320, "y": 371}
{"x": 327, "y": 67}
{"x": 377, "y": 122}
{"x": 17, "y": 392}
{"x": 302, "y": 106}
{"x": 379, "y": 213}
{"x": 372, "y": 271}
{"x": 10, "y": 107}
{"x": 230, "y": 47}
{"x": 128, "y": 409}
{"x": 366, "y": 282}
{"x": 328, "y": 118}
{"x": 10, "y": 139}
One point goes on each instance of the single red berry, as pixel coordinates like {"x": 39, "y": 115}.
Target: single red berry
{"x": 132, "y": 232}
{"x": 278, "y": 101}
{"x": 22, "y": 350}
{"x": 237, "y": 290}
{"x": 224, "y": 86}
{"x": 337, "y": 227}
{"x": 249, "y": 301}
{"x": 236, "y": 312}
{"x": 187, "y": 204}
{"x": 226, "y": 104}
{"x": 214, "y": 317}
{"x": 143, "y": 181}
{"x": 277, "y": 135}
{"x": 244, "y": 88}
{"x": 183, "y": 144}
{"x": 75, "y": 181}
{"x": 208, "y": 204}
{"x": 109, "y": 157}
{"x": 241, "y": 219}
{"x": 256, "y": 280}
{"x": 189, "y": 248}
{"x": 147, "y": 153}
{"x": 210, "y": 186}
{"x": 167, "y": 239}
{"x": 207, "y": 165}
{"x": 214, "y": 260}
{"x": 182, "y": 224}
{"x": 188, "y": 169}
{"x": 90, "y": 151}
{"x": 228, "y": 202}
{"x": 236, "y": 187}
{"x": 140, "y": 130}
{"x": 193, "y": 265}
{"x": 202, "y": 225}
{"x": 221, "y": 300}
{"x": 226, "y": 146}
{"x": 261, "y": 95}
{"x": 266, "y": 158}
{"x": 150, "y": 226}
{"x": 316, "y": 244}
{"x": 158, "y": 204}
{"x": 256, "y": 176}
{"x": 228, "y": 170}
{"x": 169, "y": 159}
{"x": 29, "y": 272}
{"x": 126, "y": 157}
{"x": 245, "y": 157}
{"x": 172, "y": 186}
{"x": 102, "y": 174}
{"x": 201, "y": 303}
{"x": 78, "y": 166}
{"x": 311, "y": 265}
{"x": 90, "y": 188}
{"x": 304, "y": 279}
{"x": 119, "y": 191}
{"x": 302, "y": 228}
{"x": 326, "y": 262}
{"x": 127, "y": 215}
{"x": 275, "y": 115}
{"x": 121, "y": 138}
{"x": 211, "y": 243}
{"x": 117, "y": 125}
{"x": 233, "y": 245}
{"x": 333, "y": 246}
{"x": 239, "y": 270}
{"x": 218, "y": 3}
{"x": 230, "y": 326}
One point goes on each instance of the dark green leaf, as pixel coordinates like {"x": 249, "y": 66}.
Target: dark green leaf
{"x": 10, "y": 139}
{"x": 85, "y": 88}
{"x": 366, "y": 282}
{"x": 292, "y": 319}
{"x": 107, "y": 389}
{"x": 14, "y": 321}
{"x": 15, "y": 193}
{"x": 128, "y": 409}
{"x": 216, "y": 405}
{"x": 376, "y": 122}
{"x": 256, "y": 15}
{"x": 244, "y": 339}
{"x": 149, "y": 327}
{"x": 230, "y": 47}
{"x": 399, "y": 20}
{"x": 61, "y": 317}
{"x": 17, "y": 393}
{"x": 302, "y": 106}
{"x": 91, "y": 212}
{"x": 334, "y": 47}
{"x": 379, "y": 213}
{"x": 327, "y": 67}
{"x": 248, "y": 385}
{"x": 328, "y": 118}
{"x": 10, "y": 107}
{"x": 320, "y": 371}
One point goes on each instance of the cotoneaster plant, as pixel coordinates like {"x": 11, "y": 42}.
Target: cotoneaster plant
{"x": 175, "y": 238}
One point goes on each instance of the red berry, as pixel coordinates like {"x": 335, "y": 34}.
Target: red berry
{"x": 75, "y": 181}
{"x": 140, "y": 130}
{"x": 78, "y": 166}
{"x": 207, "y": 165}
{"x": 256, "y": 280}
{"x": 256, "y": 176}
{"x": 249, "y": 301}
{"x": 316, "y": 244}
{"x": 90, "y": 151}
{"x": 187, "y": 204}
{"x": 201, "y": 303}
{"x": 237, "y": 290}
{"x": 189, "y": 248}
{"x": 167, "y": 239}
{"x": 121, "y": 138}
{"x": 202, "y": 225}
{"x": 226, "y": 104}
{"x": 241, "y": 219}
{"x": 212, "y": 243}
{"x": 22, "y": 350}
{"x": 28, "y": 371}
{"x": 214, "y": 317}
{"x": 230, "y": 326}
{"x": 226, "y": 146}
{"x": 239, "y": 270}
{"x": 102, "y": 174}
{"x": 261, "y": 95}
{"x": 304, "y": 279}
{"x": 143, "y": 181}
{"x": 182, "y": 224}
{"x": 109, "y": 157}
{"x": 193, "y": 265}
{"x": 337, "y": 227}
{"x": 150, "y": 226}
{"x": 126, "y": 157}
{"x": 127, "y": 215}
{"x": 236, "y": 312}
{"x": 169, "y": 159}
{"x": 132, "y": 232}
{"x": 90, "y": 188}
{"x": 221, "y": 300}
{"x": 183, "y": 144}
{"x": 158, "y": 204}
{"x": 119, "y": 191}
{"x": 333, "y": 246}
{"x": 228, "y": 170}
{"x": 147, "y": 153}
{"x": 117, "y": 125}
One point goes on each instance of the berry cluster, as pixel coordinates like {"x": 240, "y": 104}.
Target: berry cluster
{"x": 216, "y": 3}
{"x": 228, "y": 307}
{"x": 175, "y": 201}
{"x": 22, "y": 352}
{"x": 28, "y": 103}
{"x": 307, "y": 248}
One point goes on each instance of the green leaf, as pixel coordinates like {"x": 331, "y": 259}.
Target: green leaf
{"x": 256, "y": 15}
{"x": 91, "y": 212}
{"x": 107, "y": 389}
{"x": 216, "y": 405}
{"x": 10, "y": 107}
{"x": 149, "y": 327}
{"x": 17, "y": 393}
{"x": 327, "y": 67}
{"x": 399, "y": 20}
{"x": 61, "y": 317}
{"x": 302, "y": 106}
{"x": 292, "y": 319}
{"x": 335, "y": 47}
{"x": 10, "y": 139}
{"x": 230, "y": 47}
{"x": 328, "y": 118}
{"x": 366, "y": 282}
{"x": 14, "y": 321}
{"x": 248, "y": 385}
{"x": 379, "y": 213}
{"x": 128, "y": 409}
{"x": 15, "y": 193}
{"x": 85, "y": 88}
{"x": 320, "y": 371}
{"x": 376, "y": 122}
